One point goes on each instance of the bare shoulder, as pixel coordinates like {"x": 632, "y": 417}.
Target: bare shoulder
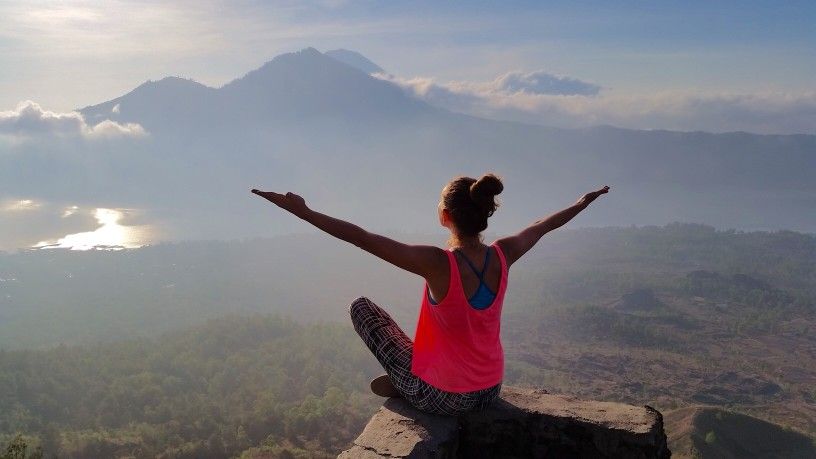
{"x": 432, "y": 260}
{"x": 437, "y": 257}
{"x": 509, "y": 249}
{"x": 436, "y": 264}
{"x": 430, "y": 251}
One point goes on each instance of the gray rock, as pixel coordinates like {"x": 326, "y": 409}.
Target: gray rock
{"x": 521, "y": 423}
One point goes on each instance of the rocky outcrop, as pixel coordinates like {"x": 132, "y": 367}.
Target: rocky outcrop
{"x": 522, "y": 423}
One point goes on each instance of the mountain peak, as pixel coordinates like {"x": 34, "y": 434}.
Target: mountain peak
{"x": 310, "y": 82}
{"x": 157, "y": 93}
{"x": 355, "y": 59}
{"x": 170, "y": 82}
{"x": 303, "y": 53}
{"x": 303, "y": 59}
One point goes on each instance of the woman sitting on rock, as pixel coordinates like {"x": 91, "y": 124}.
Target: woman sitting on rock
{"x": 455, "y": 363}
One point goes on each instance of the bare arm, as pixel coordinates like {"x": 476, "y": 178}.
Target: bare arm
{"x": 517, "y": 245}
{"x": 418, "y": 259}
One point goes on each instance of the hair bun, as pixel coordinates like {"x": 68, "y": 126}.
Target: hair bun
{"x": 484, "y": 190}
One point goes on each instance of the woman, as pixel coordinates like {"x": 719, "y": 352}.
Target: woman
{"x": 456, "y": 362}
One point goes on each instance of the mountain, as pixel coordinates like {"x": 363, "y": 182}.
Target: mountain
{"x": 355, "y": 60}
{"x": 309, "y": 84}
{"x": 171, "y": 100}
{"x": 361, "y": 148}
{"x": 295, "y": 87}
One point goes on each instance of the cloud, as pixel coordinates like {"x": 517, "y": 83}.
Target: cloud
{"x": 30, "y": 119}
{"x": 70, "y": 210}
{"x": 20, "y": 205}
{"x": 540, "y": 98}
{"x": 108, "y": 129}
{"x": 540, "y": 82}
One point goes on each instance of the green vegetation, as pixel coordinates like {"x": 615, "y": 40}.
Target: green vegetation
{"x": 605, "y": 324}
{"x": 211, "y": 392}
{"x": 18, "y": 449}
{"x": 179, "y": 350}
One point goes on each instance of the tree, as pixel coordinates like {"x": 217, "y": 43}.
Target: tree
{"x": 17, "y": 448}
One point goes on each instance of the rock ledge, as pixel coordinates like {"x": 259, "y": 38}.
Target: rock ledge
{"x": 522, "y": 423}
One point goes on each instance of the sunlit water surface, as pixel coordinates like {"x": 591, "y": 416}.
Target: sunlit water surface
{"x": 111, "y": 235}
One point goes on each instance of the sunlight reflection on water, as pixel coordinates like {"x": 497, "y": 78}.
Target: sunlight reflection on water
{"x": 111, "y": 235}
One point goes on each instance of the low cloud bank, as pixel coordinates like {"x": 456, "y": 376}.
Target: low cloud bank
{"x": 29, "y": 119}
{"x": 541, "y": 82}
{"x": 19, "y": 205}
{"x": 541, "y": 98}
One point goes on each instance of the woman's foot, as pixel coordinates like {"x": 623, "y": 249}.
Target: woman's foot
{"x": 381, "y": 385}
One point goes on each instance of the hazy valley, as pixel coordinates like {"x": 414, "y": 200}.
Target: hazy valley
{"x": 676, "y": 316}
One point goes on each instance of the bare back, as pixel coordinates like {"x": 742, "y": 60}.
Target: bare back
{"x": 438, "y": 283}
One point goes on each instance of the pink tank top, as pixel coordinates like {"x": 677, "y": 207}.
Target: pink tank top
{"x": 457, "y": 347}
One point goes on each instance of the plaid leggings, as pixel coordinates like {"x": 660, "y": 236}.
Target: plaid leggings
{"x": 393, "y": 349}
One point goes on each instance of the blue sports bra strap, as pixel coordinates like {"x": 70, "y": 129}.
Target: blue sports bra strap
{"x": 487, "y": 260}
{"x": 480, "y": 275}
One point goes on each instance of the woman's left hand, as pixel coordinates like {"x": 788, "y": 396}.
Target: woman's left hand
{"x": 289, "y": 201}
{"x": 589, "y": 197}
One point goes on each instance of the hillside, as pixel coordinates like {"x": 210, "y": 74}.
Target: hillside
{"x": 702, "y": 432}
{"x": 212, "y": 391}
{"x": 272, "y": 388}
{"x": 670, "y": 317}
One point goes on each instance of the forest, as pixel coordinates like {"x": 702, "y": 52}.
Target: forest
{"x": 222, "y": 349}
{"x": 213, "y": 391}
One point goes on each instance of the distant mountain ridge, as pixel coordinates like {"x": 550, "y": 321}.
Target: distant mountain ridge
{"x": 290, "y": 86}
{"x": 361, "y": 147}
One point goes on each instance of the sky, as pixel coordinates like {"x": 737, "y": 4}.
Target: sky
{"x": 70, "y": 54}
{"x": 682, "y": 66}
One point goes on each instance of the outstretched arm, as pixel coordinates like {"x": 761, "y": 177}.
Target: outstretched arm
{"x": 517, "y": 245}
{"x": 418, "y": 259}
